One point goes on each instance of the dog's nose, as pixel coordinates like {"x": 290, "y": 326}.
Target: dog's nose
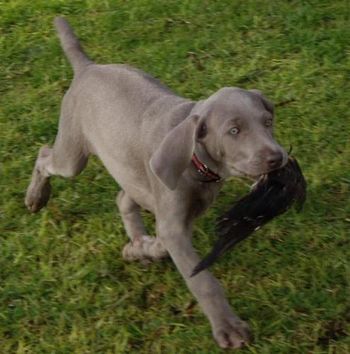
{"x": 275, "y": 160}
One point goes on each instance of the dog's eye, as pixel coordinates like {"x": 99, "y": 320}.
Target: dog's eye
{"x": 268, "y": 122}
{"x": 202, "y": 131}
{"x": 234, "y": 131}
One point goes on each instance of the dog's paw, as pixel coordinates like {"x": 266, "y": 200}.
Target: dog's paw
{"x": 144, "y": 248}
{"x": 232, "y": 333}
{"x": 37, "y": 196}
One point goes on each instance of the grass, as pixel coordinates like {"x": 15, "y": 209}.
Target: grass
{"x": 63, "y": 285}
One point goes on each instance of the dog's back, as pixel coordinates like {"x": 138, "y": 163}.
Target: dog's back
{"x": 120, "y": 110}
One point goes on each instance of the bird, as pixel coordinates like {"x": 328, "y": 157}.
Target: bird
{"x": 272, "y": 195}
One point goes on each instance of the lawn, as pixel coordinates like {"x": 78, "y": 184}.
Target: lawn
{"x": 64, "y": 287}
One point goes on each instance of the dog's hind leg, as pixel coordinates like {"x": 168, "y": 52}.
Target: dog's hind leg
{"x": 39, "y": 189}
{"x": 141, "y": 246}
{"x": 67, "y": 158}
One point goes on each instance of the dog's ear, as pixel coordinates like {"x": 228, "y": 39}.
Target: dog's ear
{"x": 269, "y": 106}
{"x": 174, "y": 154}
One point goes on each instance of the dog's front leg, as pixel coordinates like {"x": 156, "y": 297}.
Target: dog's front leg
{"x": 228, "y": 329}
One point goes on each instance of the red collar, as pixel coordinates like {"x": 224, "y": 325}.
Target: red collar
{"x": 204, "y": 170}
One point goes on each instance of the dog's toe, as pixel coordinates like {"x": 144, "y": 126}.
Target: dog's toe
{"x": 144, "y": 248}
{"x": 232, "y": 334}
{"x": 36, "y": 198}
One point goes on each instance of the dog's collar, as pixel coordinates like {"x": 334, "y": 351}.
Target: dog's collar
{"x": 204, "y": 170}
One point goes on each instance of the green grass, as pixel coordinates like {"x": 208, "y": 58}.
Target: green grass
{"x": 64, "y": 287}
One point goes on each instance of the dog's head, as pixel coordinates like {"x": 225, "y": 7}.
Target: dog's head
{"x": 235, "y": 129}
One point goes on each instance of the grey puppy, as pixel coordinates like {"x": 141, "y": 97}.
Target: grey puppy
{"x": 170, "y": 155}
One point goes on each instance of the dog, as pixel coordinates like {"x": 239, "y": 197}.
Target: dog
{"x": 170, "y": 155}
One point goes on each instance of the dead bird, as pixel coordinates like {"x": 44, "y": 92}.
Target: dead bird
{"x": 272, "y": 195}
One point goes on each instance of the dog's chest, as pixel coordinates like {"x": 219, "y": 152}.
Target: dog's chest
{"x": 201, "y": 198}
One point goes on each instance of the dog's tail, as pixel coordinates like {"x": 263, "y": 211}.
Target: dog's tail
{"x": 71, "y": 45}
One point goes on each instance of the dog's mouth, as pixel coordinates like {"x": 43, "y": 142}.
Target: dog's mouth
{"x": 255, "y": 174}
{"x": 246, "y": 174}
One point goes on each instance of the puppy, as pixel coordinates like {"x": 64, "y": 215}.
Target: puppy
{"x": 169, "y": 155}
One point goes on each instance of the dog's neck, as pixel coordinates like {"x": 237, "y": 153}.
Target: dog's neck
{"x": 205, "y": 167}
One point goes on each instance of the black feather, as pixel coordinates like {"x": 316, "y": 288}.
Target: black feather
{"x": 272, "y": 195}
